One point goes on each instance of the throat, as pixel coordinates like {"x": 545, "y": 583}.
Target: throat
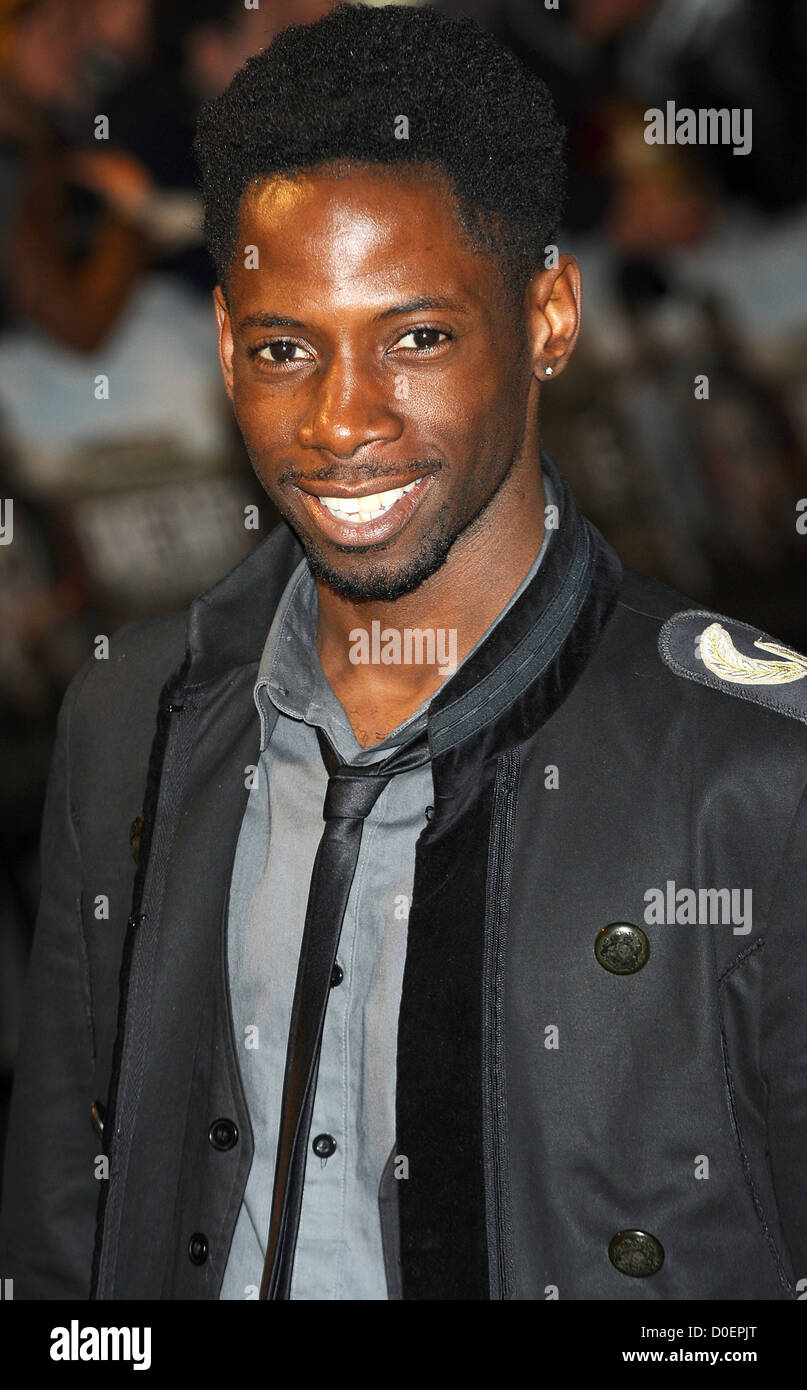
{"x": 374, "y": 708}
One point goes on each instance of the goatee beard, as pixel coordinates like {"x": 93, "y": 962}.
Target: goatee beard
{"x": 382, "y": 584}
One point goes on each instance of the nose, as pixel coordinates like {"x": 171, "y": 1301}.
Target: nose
{"x": 350, "y": 407}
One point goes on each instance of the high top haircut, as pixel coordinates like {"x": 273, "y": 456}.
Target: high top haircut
{"x": 336, "y": 91}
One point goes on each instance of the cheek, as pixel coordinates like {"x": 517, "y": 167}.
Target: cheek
{"x": 476, "y": 423}
{"x": 444, "y": 410}
{"x": 267, "y": 420}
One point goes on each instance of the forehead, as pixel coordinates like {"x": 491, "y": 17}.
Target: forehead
{"x": 361, "y": 231}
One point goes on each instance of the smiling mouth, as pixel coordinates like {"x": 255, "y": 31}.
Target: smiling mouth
{"x": 360, "y": 510}
{"x": 368, "y": 519}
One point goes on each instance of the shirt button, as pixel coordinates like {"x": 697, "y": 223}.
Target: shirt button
{"x": 197, "y": 1248}
{"x": 636, "y": 1253}
{"x": 324, "y": 1145}
{"x": 223, "y": 1134}
{"x": 621, "y": 948}
{"x": 337, "y": 975}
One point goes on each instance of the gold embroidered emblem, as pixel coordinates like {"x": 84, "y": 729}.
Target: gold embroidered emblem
{"x": 719, "y": 654}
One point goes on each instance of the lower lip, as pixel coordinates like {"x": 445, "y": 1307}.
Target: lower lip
{"x": 344, "y": 532}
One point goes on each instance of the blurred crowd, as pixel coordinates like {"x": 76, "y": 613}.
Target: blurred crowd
{"x": 117, "y": 445}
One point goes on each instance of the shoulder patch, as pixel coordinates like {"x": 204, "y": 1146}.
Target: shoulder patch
{"x": 725, "y": 654}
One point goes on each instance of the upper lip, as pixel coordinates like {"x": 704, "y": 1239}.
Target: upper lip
{"x": 360, "y": 488}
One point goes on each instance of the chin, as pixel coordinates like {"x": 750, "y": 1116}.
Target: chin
{"x": 367, "y": 580}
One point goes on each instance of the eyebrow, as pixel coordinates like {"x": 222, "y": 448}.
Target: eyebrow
{"x": 411, "y": 306}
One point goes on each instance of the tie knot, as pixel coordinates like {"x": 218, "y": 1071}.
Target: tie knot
{"x": 353, "y": 792}
{"x": 354, "y": 789}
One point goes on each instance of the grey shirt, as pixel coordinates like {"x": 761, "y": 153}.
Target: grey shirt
{"x": 339, "y": 1251}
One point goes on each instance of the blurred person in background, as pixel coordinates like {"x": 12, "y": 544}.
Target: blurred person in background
{"x": 149, "y": 78}
{"x": 65, "y": 265}
{"x": 87, "y": 282}
{"x": 103, "y": 262}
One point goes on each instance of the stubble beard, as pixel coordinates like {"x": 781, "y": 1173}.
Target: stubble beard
{"x": 385, "y": 584}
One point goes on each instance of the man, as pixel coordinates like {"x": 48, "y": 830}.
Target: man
{"x": 473, "y": 966}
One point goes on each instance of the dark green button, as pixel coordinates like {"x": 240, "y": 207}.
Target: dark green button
{"x": 636, "y": 1253}
{"x": 223, "y": 1135}
{"x": 198, "y": 1248}
{"x": 621, "y": 948}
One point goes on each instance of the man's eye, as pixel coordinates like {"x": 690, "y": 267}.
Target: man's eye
{"x": 279, "y": 350}
{"x": 425, "y": 338}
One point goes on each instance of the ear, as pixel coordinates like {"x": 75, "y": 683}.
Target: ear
{"x": 552, "y": 304}
{"x": 225, "y": 338}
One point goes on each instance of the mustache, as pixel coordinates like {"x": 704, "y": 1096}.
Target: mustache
{"x": 364, "y": 472}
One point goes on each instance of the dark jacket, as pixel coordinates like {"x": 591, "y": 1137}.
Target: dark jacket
{"x": 551, "y": 1098}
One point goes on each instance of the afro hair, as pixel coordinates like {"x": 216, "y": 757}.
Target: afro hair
{"x": 336, "y": 90}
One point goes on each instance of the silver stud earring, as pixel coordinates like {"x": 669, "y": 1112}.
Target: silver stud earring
{"x": 547, "y": 371}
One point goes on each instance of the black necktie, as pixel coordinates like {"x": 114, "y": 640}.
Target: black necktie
{"x": 351, "y": 794}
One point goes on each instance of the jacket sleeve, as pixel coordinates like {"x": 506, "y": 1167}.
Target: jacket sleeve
{"x": 783, "y": 1043}
{"x": 50, "y": 1190}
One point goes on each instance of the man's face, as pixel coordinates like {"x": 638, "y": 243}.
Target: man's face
{"x": 378, "y": 370}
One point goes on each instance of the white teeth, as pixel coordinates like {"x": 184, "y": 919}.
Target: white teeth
{"x": 361, "y": 509}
